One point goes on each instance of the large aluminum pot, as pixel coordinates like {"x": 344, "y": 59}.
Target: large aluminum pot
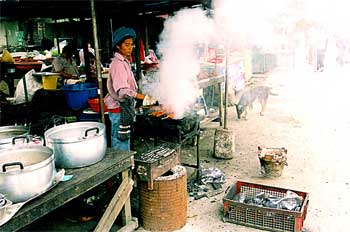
{"x": 7, "y": 133}
{"x": 26, "y": 171}
{"x": 77, "y": 144}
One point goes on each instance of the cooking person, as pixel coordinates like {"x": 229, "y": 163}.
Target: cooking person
{"x": 66, "y": 66}
{"x": 122, "y": 89}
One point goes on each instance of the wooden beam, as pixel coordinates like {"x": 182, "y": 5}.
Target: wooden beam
{"x": 126, "y": 213}
{"x": 115, "y": 206}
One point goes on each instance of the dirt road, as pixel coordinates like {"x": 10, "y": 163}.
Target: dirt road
{"x": 310, "y": 117}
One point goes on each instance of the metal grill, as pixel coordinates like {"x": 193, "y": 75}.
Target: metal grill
{"x": 155, "y": 155}
{"x": 179, "y": 131}
{"x": 157, "y": 161}
{"x": 171, "y": 130}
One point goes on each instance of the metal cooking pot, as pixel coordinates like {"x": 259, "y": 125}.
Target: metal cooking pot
{"x": 7, "y": 133}
{"x": 77, "y": 144}
{"x": 26, "y": 171}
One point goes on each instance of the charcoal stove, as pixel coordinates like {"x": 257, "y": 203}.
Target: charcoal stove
{"x": 157, "y": 161}
{"x": 164, "y": 128}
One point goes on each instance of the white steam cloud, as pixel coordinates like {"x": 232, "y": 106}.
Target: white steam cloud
{"x": 190, "y": 28}
{"x": 238, "y": 25}
{"x": 179, "y": 60}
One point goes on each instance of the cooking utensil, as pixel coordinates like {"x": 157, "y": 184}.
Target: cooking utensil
{"x": 77, "y": 144}
{"x": 8, "y": 211}
{"x": 7, "y": 133}
{"x": 26, "y": 171}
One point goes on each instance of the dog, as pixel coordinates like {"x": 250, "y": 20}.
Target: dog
{"x": 260, "y": 93}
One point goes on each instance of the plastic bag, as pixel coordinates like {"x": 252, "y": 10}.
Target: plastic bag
{"x": 32, "y": 86}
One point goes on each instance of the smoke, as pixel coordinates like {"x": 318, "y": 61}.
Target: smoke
{"x": 331, "y": 16}
{"x": 247, "y": 23}
{"x": 179, "y": 60}
{"x": 236, "y": 25}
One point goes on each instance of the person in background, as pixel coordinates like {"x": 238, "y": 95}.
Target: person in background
{"x": 66, "y": 66}
{"x": 81, "y": 54}
{"x": 122, "y": 89}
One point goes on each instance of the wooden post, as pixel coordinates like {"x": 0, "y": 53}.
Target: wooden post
{"x": 6, "y": 36}
{"x": 86, "y": 51}
{"x": 220, "y": 102}
{"x": 126, "y": 212}
{"x": 137, "y": 53}
{"x": 226, "y": 87}
{"x": 98, "y": 62}
{"x": 111, "y": 54}
{"x": 146, "y": 37}
{"x": 56, "y": 34}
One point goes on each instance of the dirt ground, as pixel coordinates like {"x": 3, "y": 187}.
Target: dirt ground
{"x": 309, "y": 116}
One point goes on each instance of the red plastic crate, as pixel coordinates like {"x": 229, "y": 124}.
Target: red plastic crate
{"x": 271, "y": 219}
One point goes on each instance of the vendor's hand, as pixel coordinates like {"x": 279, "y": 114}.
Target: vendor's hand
{"x": 149, "y": 100}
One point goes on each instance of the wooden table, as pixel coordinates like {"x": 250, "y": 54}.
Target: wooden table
{"x": 204, "y": 83}
{"x": 84, "y": 179}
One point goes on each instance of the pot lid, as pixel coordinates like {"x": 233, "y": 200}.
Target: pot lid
{"x": 74, "y": 132}
{"x": 9, "y": 132}
{"x": 30, "y": 157}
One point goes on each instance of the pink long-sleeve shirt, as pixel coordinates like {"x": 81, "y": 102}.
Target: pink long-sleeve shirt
{"x": 120, "y": 82}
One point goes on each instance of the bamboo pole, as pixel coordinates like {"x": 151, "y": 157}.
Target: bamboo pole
{"x": 98, "y": 62}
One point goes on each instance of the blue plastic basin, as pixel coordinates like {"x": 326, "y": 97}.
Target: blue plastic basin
{"x": 78, "y": 95}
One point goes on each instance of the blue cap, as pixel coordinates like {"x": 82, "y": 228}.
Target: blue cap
{"x": 121, "y": 33}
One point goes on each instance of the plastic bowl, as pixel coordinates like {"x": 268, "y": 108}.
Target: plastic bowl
{"x": 78, "y": 95}
{"x": 94, "y": 105}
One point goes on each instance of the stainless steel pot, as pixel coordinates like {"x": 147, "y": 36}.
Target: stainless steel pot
{"x": 26, "y": 171}
{"x": 7, "y": 133}
{"x": 77, "y": 144}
